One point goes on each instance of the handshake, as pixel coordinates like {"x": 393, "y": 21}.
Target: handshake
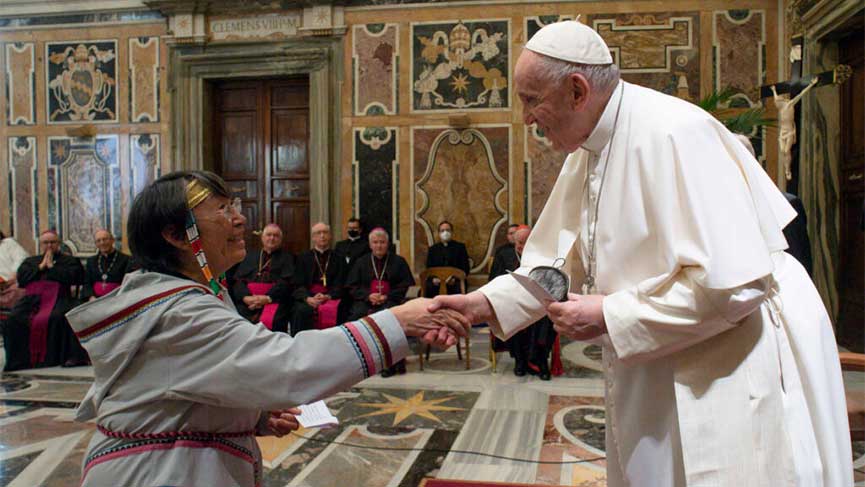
{"x": 441, "y": 321}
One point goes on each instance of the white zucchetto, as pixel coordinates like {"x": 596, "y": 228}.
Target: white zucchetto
{"x": 571, "y": 41}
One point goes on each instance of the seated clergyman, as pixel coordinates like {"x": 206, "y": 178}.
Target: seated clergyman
{"x": 318, "y": 278}
{"x": 262, "y": 282}
{"x": 37, "y": 333}
{"x": 378, "y": 280}
{"x": 105, "y": 270}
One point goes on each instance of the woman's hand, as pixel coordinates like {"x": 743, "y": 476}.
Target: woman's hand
{"x": 283, "y": 421}
{"x": 440, "y": 328}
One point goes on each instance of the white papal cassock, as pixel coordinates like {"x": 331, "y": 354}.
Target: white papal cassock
{"x": 720, "y": 361}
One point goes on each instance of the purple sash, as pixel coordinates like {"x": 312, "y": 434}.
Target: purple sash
{"x": 269, "y": 310}
{"x": 47, "y": 292}
{"x": 325, "y": 316}
{"x": 102, "y": 288}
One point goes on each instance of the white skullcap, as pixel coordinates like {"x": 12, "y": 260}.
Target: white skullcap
{"x": 571, "y": 41}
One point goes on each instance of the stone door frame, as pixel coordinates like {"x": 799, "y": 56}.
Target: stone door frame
{"x": 193, "y": 66}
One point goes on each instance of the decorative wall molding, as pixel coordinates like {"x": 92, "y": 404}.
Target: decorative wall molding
{"x": 144, "y": 161}
{"x": 84, "y": 190}
{"x": 376, "y": 184}
{"x": 21, "y": 83}
{"x": 23, "y": 191}
{"x": 143, "y": 79}
{"x": 375, "y": 57}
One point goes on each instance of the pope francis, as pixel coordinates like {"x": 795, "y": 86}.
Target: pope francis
{"x": 720, "y": 360}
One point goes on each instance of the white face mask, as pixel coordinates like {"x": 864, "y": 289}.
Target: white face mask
{"x": 445, "y": 235}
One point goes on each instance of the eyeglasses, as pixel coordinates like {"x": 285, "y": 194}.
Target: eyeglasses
{"x": 232, "y": 208}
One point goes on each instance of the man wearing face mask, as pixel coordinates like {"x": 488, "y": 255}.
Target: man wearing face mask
{"x": 446, "y": 253}
{"x": 354, "y": 246}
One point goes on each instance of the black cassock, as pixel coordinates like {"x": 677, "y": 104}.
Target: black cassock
{"x": 59, "y": 344}
{"x": 351, "y": 250}
{"x": 360, "y": 282}
{"x": 532, "y": 344}
{"x": 307, "y": 272}
{"x": 113, "y": 267}
{"x": 454, "y": 254}
{"x": 260, "y": 267}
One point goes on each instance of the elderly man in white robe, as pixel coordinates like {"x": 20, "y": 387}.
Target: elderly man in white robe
{"x": 720, "y": 361}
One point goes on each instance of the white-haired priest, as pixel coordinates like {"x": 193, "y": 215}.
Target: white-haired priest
{"x": 720, "y": 361}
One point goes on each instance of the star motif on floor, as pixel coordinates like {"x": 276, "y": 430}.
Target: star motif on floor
{"x": 405, "y": 408}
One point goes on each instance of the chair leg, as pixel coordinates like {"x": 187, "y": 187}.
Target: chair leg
{"x": 459, "y": 353}
{"x": 420, "y": 357}
{"x": 468, "y": 351}
{"x": 428, "y": 349}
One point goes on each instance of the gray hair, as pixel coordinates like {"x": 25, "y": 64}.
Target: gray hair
{"x": 379, "y": 231}
{"x": 603, "y": 77}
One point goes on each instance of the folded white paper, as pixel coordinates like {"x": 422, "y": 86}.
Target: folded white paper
{"x": 316, "y": 415}
{"x": 533, "y": 288}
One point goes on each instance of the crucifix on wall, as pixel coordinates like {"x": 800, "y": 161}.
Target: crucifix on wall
{"x": 786, "y": 95}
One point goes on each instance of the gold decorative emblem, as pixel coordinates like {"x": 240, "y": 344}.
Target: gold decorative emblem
{"x": 82, "y": 82}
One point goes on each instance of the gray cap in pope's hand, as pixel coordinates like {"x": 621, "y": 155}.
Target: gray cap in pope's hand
{"x": 571, "y": 41}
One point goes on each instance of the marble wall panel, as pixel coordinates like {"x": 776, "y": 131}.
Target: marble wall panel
{"x": 84, "y": 189}
{"x": 81, "y": 81}
{"x": 461, "y": 176}
{"x": 460, "y": 65}
{"x": 375, "y": 58}
{"x": 144, "y": 161}
{"x": 144, "y": 79}
{"x": 375, "y": 166}
{"x": 543, "y": 166}
{"x": 739, "y": 53}
{"x": 534, "y": 24}
{"x": 20, "y": 83}
{"x": 658, "y": 50}
{"x": 23, "y": 191}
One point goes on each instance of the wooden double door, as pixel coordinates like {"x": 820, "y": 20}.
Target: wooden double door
{"x": 260, "y": 133}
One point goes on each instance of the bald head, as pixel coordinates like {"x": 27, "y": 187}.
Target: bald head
{"x": 271, "y": 238}
{"x": 321, "y": 236}
{"x": 521, "y": 235}
{"x": 104, "y": 241}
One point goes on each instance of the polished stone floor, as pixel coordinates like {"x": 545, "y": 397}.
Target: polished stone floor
{"x": 408, "y": 427}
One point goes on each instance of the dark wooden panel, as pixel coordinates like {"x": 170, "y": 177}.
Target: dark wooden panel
{"x": 294, "y": 95}
{"x": 233, "y": 99}
{"x": 293, "y": 218}
{"x": 290, "y": 130}
{"x": 251, "y": 210}
{"x": 238, "y": 132}
{"x": 290, "y": 188}
{"x": 244, "y": 189}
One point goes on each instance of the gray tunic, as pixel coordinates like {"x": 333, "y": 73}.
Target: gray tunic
{"x": 182, "y": 381}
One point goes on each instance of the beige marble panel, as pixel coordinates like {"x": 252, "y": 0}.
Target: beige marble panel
{"x": 20, "y": 83}
{"x": 144, "y": 79}
{"x": 739, "y": 38}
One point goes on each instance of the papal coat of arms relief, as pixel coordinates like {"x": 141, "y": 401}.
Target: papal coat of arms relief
{"x": 460, "y": 66}
{"x": 81, "y": 82}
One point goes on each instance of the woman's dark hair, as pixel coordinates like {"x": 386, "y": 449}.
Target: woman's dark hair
{"x": 160, "y": 206}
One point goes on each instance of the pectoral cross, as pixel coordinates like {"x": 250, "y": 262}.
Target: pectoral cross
{"x": 379, "y": 286}
{"x": 324, "y": 280}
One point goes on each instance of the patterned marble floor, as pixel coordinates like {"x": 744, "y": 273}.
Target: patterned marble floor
{"x": 407, "y": 427}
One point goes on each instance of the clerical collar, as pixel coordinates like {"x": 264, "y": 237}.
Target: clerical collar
{"x": 603, "y": 131}
{"x": 321, "y": 251}
{"x": 355, "y": 239}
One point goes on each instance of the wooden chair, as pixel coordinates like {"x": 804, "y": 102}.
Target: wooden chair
{"x": 855, "y": 404}
{"x": 444, "y": 274}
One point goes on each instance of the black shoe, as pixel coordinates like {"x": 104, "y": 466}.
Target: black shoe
{"x": 389, "y": 372}
{"x": 544, "y": 373}
{"x": 520, "y": 369}
{"x": 400, "y": 367}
